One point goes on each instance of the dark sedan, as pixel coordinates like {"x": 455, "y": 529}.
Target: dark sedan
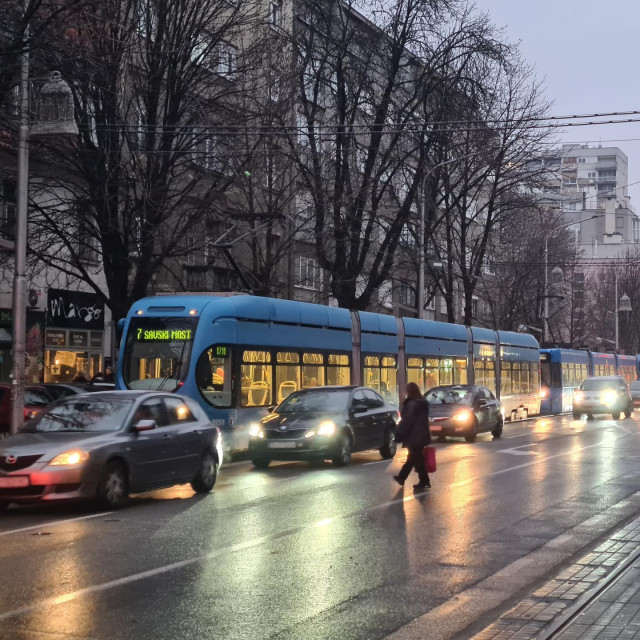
{"x": 107, "y": 445}
{"x": 325, "y": 423}
{"x": 464, "y": 411}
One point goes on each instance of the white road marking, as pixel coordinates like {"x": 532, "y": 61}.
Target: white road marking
{"x": 135, "y": 577}
{"x": 55, "y": 523}
{"x": 517, "y": 452}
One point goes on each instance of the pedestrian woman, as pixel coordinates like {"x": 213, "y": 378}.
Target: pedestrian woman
{"x": 413, "y": 432}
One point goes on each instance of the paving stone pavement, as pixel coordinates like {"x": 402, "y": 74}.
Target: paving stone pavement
{"x": 614, "y": 613}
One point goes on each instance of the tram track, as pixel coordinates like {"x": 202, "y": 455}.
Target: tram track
{"x": 570, "y": 615}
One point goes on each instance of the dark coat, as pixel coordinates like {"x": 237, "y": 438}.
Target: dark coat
{"x": 413, "y": 429}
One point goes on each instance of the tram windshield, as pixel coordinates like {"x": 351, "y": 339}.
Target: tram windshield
{"x": 157, "y": 352}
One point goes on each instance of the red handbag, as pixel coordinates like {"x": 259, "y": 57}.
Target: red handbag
{"x": 429, "y": 454}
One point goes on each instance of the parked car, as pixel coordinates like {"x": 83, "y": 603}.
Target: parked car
{"x": 325, "y": 423}
{"x": 35, "y": 400}
{"x": 464, "y": 411}
{"x": 602, "y": 394}
{"x": 108, "y": 444}
{"x": 58, "y": 390}
{"x": 634, "y": 388}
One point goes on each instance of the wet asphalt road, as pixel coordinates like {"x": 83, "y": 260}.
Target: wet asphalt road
{"x": 297, "y": 552}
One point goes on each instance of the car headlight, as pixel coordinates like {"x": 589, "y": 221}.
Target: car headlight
{"x": 462, "y": 416}
{"x": 609, "y": 397}
{"x": 578, "y": 397}
{"x": 326, "y": 428}
{"x": 70, "y": 458}
{"x": 310, "y": 433}
{"x": 255, "y": 430}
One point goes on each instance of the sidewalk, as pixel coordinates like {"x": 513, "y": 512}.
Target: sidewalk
{"x": 614, "y": 613}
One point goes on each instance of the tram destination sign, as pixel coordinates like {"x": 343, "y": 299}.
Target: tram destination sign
{"x": 163, "y": 335}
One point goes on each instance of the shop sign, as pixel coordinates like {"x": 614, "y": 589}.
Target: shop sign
{"x": 96, "y": 340}
{"x": 78, "y": 338}
{"x": 54, "y": 338}
{"x": 74, "y": 310}
{"x": 6, "y": 317}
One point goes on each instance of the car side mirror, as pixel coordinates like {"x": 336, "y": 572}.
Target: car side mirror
{"x": 271, "y": 408}
{"x": 482, "y": 402}
{"x": 145, "y": 425}
{"x": 359, "y": 408}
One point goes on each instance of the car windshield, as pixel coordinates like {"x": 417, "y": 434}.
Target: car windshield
{"x": 450, "y": 395}
{"x": 597, "y": 385}
{"x": 321, "y": 401}
{"x": 82, "y": 415}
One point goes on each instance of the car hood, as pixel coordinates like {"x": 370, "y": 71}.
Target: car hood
{"x": 297, "y": 420}
{"x": 50, "y": 444}
{"x": 446, "y": 410}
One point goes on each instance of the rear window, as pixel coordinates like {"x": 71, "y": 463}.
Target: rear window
{"x": 596, "y": 385}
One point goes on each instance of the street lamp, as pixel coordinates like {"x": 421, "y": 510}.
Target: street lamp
{"x": 545, "y": 319}
{"x": 56, "y": 117}
{"x": 624, "y": 305}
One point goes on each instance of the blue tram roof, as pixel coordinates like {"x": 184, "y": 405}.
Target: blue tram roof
{"x": 309, "y": 314}
{"x": 567, "y": 355}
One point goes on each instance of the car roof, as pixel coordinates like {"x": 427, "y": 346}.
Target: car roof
{"x": 604, "y": 378}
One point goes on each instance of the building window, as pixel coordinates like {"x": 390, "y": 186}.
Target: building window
{"x": 87, "y": 234}
{"x": 310, "y": 274}
{"x": 275, "y": 13}
{"x": 406, "y": 294}
{"x": 619, "y": 222}
{"x": 206, "y": 153}
{"x": 489, "y": 266}
{"x": 636, "y": 230}
{"x": 226, "y": 55}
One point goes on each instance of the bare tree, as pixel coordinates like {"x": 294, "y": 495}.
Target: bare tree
{"x": 156, "y": 86}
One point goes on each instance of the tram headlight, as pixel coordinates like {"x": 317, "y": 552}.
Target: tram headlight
{"x": 544, "y": 393}
{"x": 578, "y": 397}
{"x": 463, "y": 416}
{"x": 609, "y": 397}
{"x": 255, "y": 430}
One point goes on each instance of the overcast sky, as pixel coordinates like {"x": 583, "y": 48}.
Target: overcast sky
{"x": 588, "y": 54}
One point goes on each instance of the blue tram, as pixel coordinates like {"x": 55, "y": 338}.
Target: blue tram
{"x": 563, "y": 370}
{"x": 239, "y": 354}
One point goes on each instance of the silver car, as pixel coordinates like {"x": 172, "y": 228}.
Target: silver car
{"x": 602, "y": 394}
{"x": 107, "y": 445}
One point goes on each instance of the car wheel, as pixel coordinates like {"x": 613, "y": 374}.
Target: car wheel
{"x": 577, "y": 415}
{"x": 207, "y": 474}
{"x": 497, "y": 432}
{"x": 389, "y": 446}
{"x": 473, "y": 432}
{"x": 343, "y": 451}
{"x": 261, "y": 463}
{"x": 615, "y": 415}
{"x": 628, "y": 412}
{"x": 114, "y": 486}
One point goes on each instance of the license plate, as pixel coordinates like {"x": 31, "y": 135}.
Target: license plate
{"x": 282, "y": 445}
{"x": 17, "y": 481}
{"x": 434, "y": 428}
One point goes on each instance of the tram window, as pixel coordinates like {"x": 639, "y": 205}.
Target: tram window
{"x": 490, "y": 376}
{"x": 545, "y": 371}
{"x": 371, "y": 371}
{"x": 256, "y": 379}
{"x": 312, "y": 370}
{"x": 389, "y": 380}
{"x": 446, "y": 371}
{"x": 505, "y": 379}
{"x": 287, "y": 374}
{"x": 415, "y": 372}
{"x": 213, "y": 376}
{"x": 534, "y": 372}
{"x": 431, "y": 374}
{"x": 338, "y": 369}
{"x": 460, "y": 372}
